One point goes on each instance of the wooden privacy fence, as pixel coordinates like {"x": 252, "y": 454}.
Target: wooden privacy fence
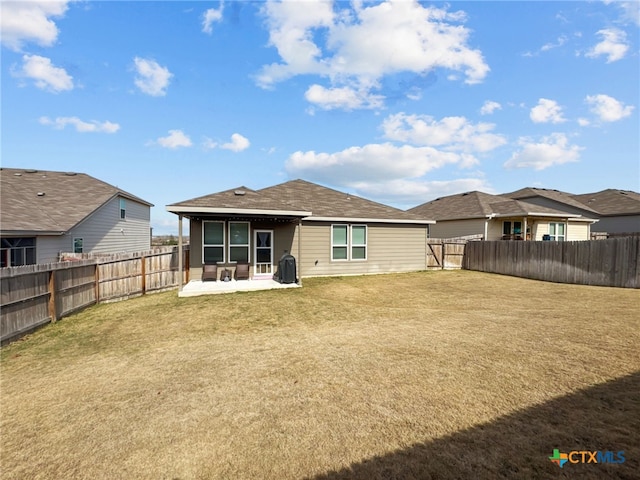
{"x": 613, "y": 262}
{"x": 447, "y": 253}
{"x": 33, "y": 295}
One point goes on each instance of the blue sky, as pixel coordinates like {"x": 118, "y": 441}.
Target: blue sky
{"x": 397, "y": 101}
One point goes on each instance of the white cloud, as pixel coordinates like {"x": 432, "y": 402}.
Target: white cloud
{"x": 607, "y": 108}
{"x": 345, "y": 98}
{"x": 365, "y": 43}
{"x": 81, "y": 126}
{"x": 450, "y": 134}
{"x": 30, "y": 21}
{"x": 547, "y": 111}
{"x": 551, "y": 150}
{"x": 410, "y": 193}
{"x": 372, "y": 163}
{"x": 175, "y": 139}
{"x": 210, "y": 17}
{"x": 45, "y": 75}
{"x": 614, "y": 45}
{"x": 489, "y": 107}
{"x": 209, "y": 144}
{"x": 152, "y": 78}
{"x": 238, "y": 143}
{"x": 629, "y": 11}
{"x": 550, "y": 46}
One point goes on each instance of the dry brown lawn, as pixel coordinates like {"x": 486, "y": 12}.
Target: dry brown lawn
{"x": 425, "y": 375}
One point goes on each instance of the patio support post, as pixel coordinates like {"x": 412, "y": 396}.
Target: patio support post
{"x": 180, "y": 253}
{"x": 300, "y": 251}
{"x": 525, "y": 229}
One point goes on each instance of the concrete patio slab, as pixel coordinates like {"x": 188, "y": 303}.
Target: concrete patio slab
{"x": 197, "y": 287}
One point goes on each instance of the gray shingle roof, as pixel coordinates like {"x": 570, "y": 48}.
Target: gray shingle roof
{"x": 555, "y": 195}
{"x": 240, "y": 198}
{"x": 479, "y": 205}
{"x": 47, "y": 201}
{"x": 299, "y": 197}
{"x": 326, "y": 202}
{"x": 611, "y": 202}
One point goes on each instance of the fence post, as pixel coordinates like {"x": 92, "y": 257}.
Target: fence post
{"x": 144, "y": 274}
{"x": 52, "y": 296}
{"x": 97, "y": 276}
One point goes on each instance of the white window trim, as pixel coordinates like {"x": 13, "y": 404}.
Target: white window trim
{"x": 73, "y": 244}
{"x": 556, "y": 237}
{"x": 346, "y": 245}
{"x": 122, "y": 207}
{"x": 365, "y": 244}
{"x": 248, "y": 245}
{"x": 224, "y": 248}
{"x": 349, "y": 245}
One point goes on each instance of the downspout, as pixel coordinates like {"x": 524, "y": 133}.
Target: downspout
{"x": 180, "y": 253}
{"x": 486, "y": 225}
{"x": 300, "y": 250}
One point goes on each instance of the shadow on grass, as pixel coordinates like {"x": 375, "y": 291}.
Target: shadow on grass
{"x": 603, "y": 417}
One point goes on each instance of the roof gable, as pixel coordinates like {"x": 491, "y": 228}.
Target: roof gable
{"x": 48, "y": 201}
{"x": 475, "y": 204}
{"x": 550, "y": 194}
{"x": 611, "y": 202}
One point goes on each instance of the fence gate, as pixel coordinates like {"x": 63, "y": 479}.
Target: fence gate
{"x": 435, "y": 251}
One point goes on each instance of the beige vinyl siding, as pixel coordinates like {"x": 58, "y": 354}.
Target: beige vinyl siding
{"x": 494, "y": 229}
{"x": 457, "y": 228}
{"x": 578, "y": 231}
{"x": 617, "y": 224}
{"x": 390, "y": 248}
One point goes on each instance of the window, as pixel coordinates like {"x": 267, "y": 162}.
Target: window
{"x": 358, "y": 242}
{"x": 213, "y": 242}
{"x": 556, "y": 232}
{"x": 77, "y": 245}
{"x": 514, "y": 228}
{"x": 18, "y": 251}
{"x": 238, "y": 241}
{"x": 339, "y": 246}
{"x": 511, "y": 230}
{"x": 348, "y": 242}
{"x": 123, "y": 209}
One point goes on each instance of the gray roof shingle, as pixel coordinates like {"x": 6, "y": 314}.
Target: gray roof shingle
{"x": 555, "y": 195}
{"x": 479, "y": 205}
{"x": 299, "y": 197}
{"x": 611, "y": 202}
{"x": 48, "y": 201}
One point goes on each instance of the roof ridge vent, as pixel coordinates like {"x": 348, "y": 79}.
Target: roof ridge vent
{"x": 70, "y": 174}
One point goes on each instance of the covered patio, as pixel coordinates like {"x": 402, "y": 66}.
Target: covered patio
{"x": 238, "y": 228}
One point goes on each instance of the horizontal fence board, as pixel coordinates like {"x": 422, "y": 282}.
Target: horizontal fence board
{"x": 612, "y": 262}
{"x": 26, "y": 296}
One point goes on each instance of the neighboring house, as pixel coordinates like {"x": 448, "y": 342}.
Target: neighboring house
{"x": 44, "y": 213}
{"x": 498, "y": 217}
{"x": 327, "y": 231}
{"x": 618, "y": 211}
